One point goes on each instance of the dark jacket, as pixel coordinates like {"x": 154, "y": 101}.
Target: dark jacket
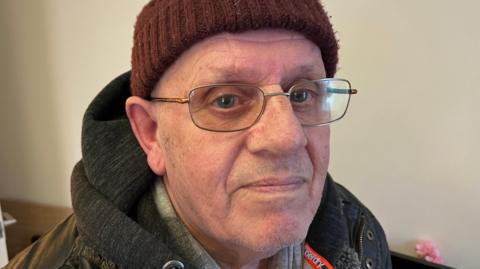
{"x": 116, "y": 224}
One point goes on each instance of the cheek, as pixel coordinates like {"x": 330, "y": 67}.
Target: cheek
{"x": 319, "y": 148}
{"x": 198, "y": 166}
{"x": 184, "y": 149}
{"x": 198, "y": 162}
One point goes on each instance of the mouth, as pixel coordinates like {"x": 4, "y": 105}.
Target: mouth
{"x": 271, "y": 185}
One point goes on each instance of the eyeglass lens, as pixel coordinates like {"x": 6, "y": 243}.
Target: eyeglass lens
{"x": 235, "y": 107}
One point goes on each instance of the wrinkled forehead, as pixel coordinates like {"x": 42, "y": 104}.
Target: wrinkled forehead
{"x": 257, "y": 57}
{"x": 263, "y": 35}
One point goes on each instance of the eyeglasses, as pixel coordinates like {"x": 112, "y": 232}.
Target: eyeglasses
{"x": 235, "y": 107}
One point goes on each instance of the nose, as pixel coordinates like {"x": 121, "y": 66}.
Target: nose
{"x": 278, "y": 130}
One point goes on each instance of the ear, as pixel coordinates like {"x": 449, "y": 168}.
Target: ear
{"x": 142, "y": 116}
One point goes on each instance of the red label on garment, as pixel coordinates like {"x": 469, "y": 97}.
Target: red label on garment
{"x": 315, "y": 260}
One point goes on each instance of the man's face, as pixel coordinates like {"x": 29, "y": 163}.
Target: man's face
{"x": 255, "y": 190}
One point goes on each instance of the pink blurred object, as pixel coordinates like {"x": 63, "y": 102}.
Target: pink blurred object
{"x": 428, "y": 251}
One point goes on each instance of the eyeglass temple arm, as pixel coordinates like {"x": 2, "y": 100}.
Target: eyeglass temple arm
{"x": 171, "y": 100}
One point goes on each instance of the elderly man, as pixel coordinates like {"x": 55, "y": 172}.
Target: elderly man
{"x": 213, "y": 152}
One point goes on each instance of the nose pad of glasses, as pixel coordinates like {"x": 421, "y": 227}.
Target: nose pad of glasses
{"x": 277, "y": 109}
{"x": 278, "y": 131}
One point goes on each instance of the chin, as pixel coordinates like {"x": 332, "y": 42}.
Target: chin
{"x": 274, "y": 233}
{"x": 266, "y": 230}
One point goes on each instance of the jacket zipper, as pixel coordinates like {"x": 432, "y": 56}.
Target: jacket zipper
{"x": 360, "y": 234}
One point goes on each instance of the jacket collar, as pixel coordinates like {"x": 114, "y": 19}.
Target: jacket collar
{"x": 329, "y": 233}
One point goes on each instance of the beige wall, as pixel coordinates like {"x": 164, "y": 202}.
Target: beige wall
{"x": 56, "y": 55}
{"x": 408, "y": 147}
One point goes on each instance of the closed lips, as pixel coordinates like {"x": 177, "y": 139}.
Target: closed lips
{"x": 276, "y": 184}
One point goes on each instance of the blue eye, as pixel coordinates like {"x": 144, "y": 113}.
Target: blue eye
{"x": 226, "y": 101}
{"x": 299, "y": 96}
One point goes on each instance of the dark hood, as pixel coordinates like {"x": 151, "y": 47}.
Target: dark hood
{"x": 113, "y": 177}
{"x": 107, "y": 184}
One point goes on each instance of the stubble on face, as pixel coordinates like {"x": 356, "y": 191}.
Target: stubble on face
{"x": 236, "y": 192}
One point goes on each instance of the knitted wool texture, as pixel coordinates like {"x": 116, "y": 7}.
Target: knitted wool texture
{"x": 166, "y": 28}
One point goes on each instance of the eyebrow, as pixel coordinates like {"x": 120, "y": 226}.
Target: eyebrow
{"x": 249, "y": 75}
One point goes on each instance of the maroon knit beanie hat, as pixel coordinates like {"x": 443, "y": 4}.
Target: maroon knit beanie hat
{"x": 166, "y": 28}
